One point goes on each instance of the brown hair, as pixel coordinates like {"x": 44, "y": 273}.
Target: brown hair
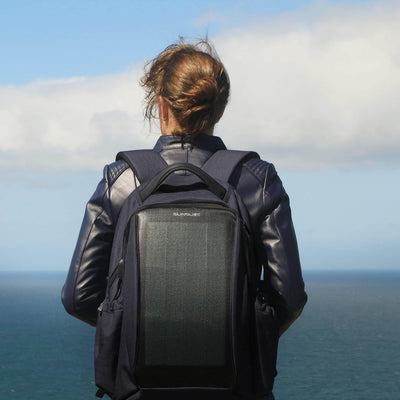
{"x": 193, "y": 82}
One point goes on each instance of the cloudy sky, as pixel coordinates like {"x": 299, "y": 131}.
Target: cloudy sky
{"x": 315, "y": 90}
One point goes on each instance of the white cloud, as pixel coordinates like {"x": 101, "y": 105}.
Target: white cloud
{"x": 71, "y": 124}
{"x": 316, "y": 88}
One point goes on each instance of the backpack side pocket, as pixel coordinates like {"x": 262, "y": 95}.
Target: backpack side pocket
{"x": 108, "y": 331}
{"x": 267, "y": 335}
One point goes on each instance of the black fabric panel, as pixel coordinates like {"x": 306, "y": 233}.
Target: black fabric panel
{"x": 187, "y": 394}
{"x": 185, "y": 258}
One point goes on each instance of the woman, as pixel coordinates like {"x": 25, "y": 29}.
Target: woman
{"x": 189, "y": 88}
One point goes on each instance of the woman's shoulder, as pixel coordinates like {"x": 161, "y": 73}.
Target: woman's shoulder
{"x": 262, "y": 170}
{"x": 114, "y": 170}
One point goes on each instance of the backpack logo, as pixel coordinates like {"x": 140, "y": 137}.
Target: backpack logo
{"x": 186, "y": 214}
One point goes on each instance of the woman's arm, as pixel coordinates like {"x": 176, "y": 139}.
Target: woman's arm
{"x": 85, "y": 285}
{"x": 280, "y": 256}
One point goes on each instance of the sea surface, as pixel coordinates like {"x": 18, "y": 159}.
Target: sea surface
{"x": 345, "y": 346}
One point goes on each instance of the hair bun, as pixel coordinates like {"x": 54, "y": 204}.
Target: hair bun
{"x": 194, "y": 83}
{"x": 204, "y": 92}
{"x": 198, "y": 105}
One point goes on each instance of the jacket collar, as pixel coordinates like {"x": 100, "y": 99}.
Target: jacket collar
{"x": 202, "y": 141}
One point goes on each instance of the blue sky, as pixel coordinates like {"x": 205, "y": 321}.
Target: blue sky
{"x": 315, "y": 90}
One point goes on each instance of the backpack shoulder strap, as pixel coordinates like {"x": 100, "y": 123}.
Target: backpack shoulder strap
{"x": 223, "y": 163}
{"x": 144, "y": 163}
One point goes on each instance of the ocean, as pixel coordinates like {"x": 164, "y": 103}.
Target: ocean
{"x": 345, "y": 346}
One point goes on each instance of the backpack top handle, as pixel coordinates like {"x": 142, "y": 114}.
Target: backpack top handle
{"x": 155, "y": 183}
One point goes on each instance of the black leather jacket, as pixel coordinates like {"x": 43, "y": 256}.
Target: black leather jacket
{"x": 263, "y": 194}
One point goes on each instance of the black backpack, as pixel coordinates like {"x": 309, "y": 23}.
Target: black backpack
{"x": 178, "y": 320}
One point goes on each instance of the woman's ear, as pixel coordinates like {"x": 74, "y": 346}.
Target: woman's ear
{"x": 163, "y": 109}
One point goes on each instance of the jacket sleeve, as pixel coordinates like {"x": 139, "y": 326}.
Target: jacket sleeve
{"x": 279, "y": 252}
{"x": 85, "y": 285}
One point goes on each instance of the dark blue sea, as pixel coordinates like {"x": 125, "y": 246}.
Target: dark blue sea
{"x": 345, "y": 346}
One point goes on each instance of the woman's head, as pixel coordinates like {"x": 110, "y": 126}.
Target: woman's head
{"x": 191, "y": 81}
